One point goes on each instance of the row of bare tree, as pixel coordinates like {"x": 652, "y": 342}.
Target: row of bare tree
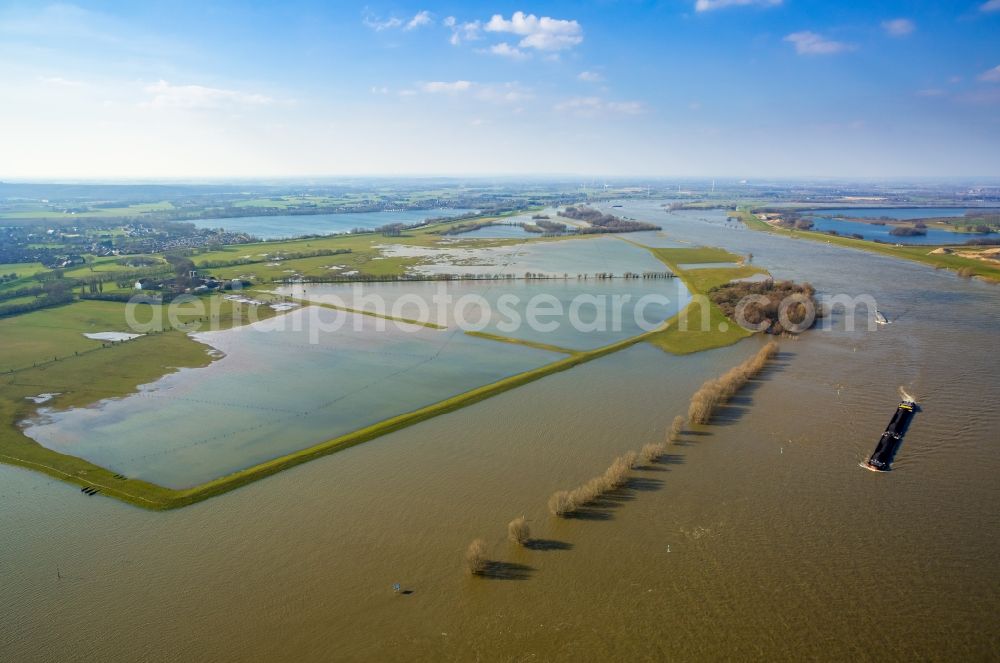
{"x": 564, "y": 503}
{"x": 718, "y": 391}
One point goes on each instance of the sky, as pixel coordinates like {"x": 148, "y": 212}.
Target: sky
{"x": 677, "y": 88}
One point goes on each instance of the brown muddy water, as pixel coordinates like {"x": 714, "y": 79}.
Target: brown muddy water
{"x": 760, "y": 537}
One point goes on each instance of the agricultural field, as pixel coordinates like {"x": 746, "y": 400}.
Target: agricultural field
{"x": 62, "y": 214}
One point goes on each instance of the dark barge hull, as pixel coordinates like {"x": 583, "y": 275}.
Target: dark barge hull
{"x": 888, "y": 444}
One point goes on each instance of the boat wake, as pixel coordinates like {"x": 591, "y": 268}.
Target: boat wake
{"x": 906, "y": 396}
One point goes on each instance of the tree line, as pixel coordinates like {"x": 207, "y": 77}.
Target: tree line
{"x": 604, "y": 223}
{"x": 567, "y": 503}
{"x": 758, "y": 303}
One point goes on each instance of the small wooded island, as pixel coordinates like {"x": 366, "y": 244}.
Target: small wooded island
{"x": 908, "y": 231}
{"x": 761, "y": 303}
{"x": 604, "y": 223}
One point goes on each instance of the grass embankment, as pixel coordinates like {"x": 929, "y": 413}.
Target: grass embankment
{"x": 520, "y": 341}
{"x": 922, "y": 253}
{"x": 695, "y": 328}
{"x": 373, "y": 314}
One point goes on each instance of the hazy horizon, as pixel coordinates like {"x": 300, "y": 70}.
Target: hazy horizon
{"x": 690, "y": 88}
{"x": 597, "y": 179}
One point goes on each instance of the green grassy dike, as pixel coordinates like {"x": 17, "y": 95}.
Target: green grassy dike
{"x": 921, "y": 253}
{"x": 371, "y": 314}
{"x": 694, "y": 329}
{"x": 520, "y": 341}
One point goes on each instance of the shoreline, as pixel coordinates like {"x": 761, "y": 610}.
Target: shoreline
{"x": 922, "y": 253}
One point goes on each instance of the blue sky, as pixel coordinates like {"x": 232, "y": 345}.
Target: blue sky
{"x": 747, "y": 88}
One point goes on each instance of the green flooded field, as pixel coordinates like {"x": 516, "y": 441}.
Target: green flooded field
{"x": 198, "y": 424}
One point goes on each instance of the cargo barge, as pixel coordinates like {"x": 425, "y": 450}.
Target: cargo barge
{"x": 888, "y": 444}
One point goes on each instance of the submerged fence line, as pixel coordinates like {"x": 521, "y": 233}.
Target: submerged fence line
{"x": 527, "y": 276}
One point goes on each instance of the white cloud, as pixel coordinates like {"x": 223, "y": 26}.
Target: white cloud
{"x": 990, "y": 6}
{"x": 441, "y": 86}
{"x": 590, "y": 76}
{"x": 503, "y": 93}
{"x": 503, "y": 49}
{"x": 626, "y": 107}
{"x": 419, "y": 20}
{"x": 468, "y": 31}
{"x": 581, "y": 105}
{"x": 543, "y": 34}
{"x": 899, "y": 27}
{"x": 378, "y": 25}
{"x": 810, "y": 43}
{"x": 495, "y": 93}
{"x": 380, "y": 90}
{"x": 595, "y": 106}
{"x": 710, "y": 5}
{"x": 991, "y": 75}
{"x": 163, "y": 95}
{"x": 59, "y": 81}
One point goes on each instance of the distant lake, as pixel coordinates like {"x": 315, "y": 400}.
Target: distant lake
{"x": 869, "y": 231}
{"x": 900, "y": 213}
{"x": 511, "y": 226}
{"x": 296, "y": 225}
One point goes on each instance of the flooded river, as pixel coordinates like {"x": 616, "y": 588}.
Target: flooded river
{"x": 761, "y": 537}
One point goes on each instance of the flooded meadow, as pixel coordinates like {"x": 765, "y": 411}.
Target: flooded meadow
{"x": 758, "y": 536}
